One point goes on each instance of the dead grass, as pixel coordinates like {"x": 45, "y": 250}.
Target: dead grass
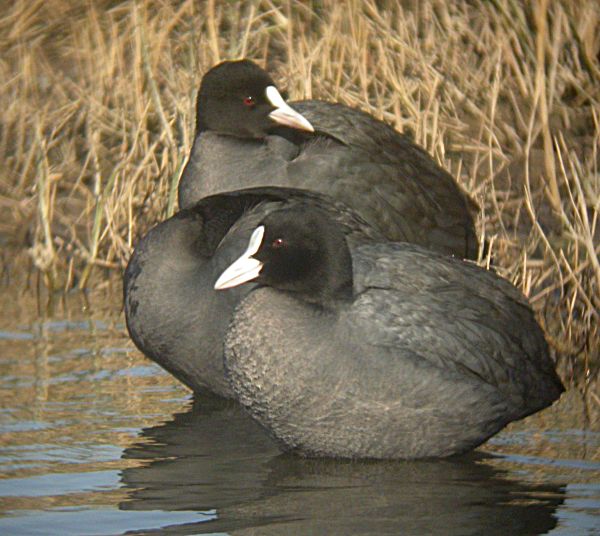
{"x": 97, "y": 120}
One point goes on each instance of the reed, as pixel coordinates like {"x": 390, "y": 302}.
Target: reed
{"x": 97, "y": 108}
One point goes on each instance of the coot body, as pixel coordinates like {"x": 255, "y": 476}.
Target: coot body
{"x": 378, "y": 349}
{"x": 247, "y": 136}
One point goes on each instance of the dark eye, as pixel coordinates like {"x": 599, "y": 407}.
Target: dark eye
{"x": 277, "y": 243}
{"x": 249, "y": 101}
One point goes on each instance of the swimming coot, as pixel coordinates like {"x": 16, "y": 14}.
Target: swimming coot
{"x": 173, "y": 314}
{"x": 378, "y": 349}
{"x": 247, "y": 136}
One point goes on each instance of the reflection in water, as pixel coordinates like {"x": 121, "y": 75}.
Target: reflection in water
{"x": 213, "y": 457}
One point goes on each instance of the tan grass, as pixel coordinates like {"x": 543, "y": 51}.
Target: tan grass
{"x": 97, "y": 112}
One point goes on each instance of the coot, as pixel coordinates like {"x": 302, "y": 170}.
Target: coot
{"x": 173, "y": 314}
{"x": 246, "y": 135}
{"x": 378, "y": 349}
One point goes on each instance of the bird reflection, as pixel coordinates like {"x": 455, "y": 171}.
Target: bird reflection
{"x": 214, "y": 457}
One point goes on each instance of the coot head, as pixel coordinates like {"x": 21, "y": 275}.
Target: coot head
{"x": 238, "y": 98}
{"x": 296, "y": 250}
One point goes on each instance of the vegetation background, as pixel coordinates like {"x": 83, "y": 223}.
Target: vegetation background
{"x": 97, "y": 119}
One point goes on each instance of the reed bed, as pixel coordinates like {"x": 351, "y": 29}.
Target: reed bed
{"x": 97, "y": 104}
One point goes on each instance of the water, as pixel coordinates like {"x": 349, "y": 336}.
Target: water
{"x": 95, "y": 439}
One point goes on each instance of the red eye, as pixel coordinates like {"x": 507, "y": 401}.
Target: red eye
{"x": 277, "y": 243}
{"x": 249, "y": 101}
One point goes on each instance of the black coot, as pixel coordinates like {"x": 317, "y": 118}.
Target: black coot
{"x": 378, "y": 349}
{"x": 173, "y": 314}
{"x": 246, "y": 135}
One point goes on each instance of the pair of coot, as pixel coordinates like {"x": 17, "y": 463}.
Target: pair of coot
{"x": 341, "y": 337}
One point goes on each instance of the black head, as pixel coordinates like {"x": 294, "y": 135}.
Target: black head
{"x": 299, "y": 250}
{"x": 238, "y": 98}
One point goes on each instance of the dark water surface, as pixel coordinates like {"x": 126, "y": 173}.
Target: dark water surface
{"x": 95, "y": 439}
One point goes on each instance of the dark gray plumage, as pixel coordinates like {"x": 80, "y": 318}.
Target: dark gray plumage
{"x": 392, "y": 183}
{"x": 173, "y": 314}
{"x": 423, "y": 355}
